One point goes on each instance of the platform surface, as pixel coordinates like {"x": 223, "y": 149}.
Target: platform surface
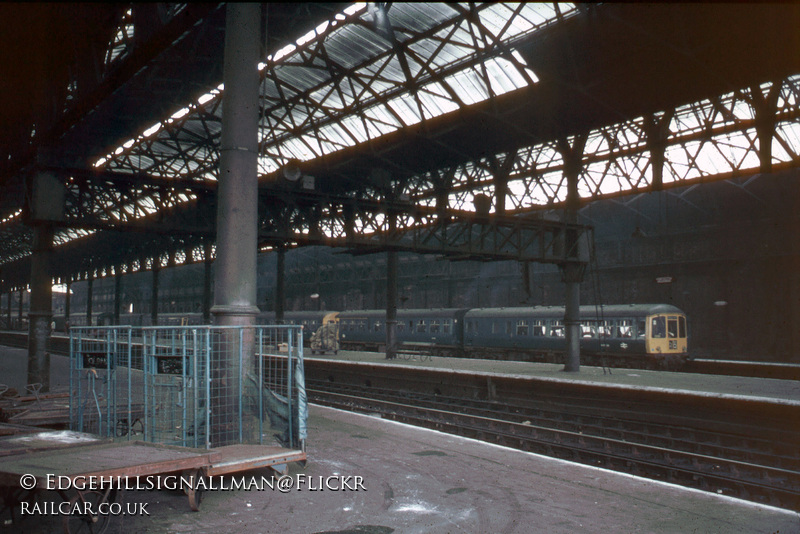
{"x": 782, "y": 391}
{"x": 422, "y": 481}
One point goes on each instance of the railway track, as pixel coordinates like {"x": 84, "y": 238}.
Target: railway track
{"x": 749, "y": 460}
{"x": 706, "y": 456}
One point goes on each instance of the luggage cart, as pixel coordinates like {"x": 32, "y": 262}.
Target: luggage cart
{"x": 123, "y": 466}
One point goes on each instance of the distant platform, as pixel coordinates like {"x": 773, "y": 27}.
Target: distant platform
{"x": 774, "y": 390}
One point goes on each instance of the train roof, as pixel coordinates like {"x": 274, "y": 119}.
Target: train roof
{"x": 588, "y": 311}
{"x": 411, "y": 312}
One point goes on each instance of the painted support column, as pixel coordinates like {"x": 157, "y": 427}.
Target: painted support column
{"x": 391, "y": 304}
{"x": 117, "y": 293}
{"x": 154, "y": 291}
{"x": 657, "y": 134}
{"x": 19, "y": 311}
{"x": 207, "y": 261}
{"x": 235, "y": 273}
{"x": 766, "y": 109}
{"x": 8, "y": 308}
{"x": 280, "y": 284}
{"x": 67, "y": 302}
{"x": 41, "y": 307}
{"x": 571, "y": 270}
{"x": 89, "y": 297}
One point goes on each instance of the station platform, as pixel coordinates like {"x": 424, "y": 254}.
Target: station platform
{"x": 718, "y": 386}
{"x": 367, "y": 475}
{"x": 371, "y": 476}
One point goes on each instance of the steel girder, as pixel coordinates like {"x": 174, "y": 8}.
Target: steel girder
{"x": 713, "y": 138}
{"x": 367, "y": 225}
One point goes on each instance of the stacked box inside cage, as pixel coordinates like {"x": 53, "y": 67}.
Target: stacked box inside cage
{"x": 190, "y": 386}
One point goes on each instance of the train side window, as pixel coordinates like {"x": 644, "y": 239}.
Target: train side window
{"x": 435, "y": 326}
{"x": 538, "y": 328}
{"x": 522, "y": 327}
{"x": 672, "y": 327}
{"x": 446, "y": 326}
{"x": 421, "y": 326}
{"x": 377, "y": 326}
{"x": 588, "y": 330}
{"x": 400, "y": 326}
{"x": 557, "y": 329}
{"x": 508, "y": 328}
{"x": 640, "y": 328}
{"x": 681, "y": 326}
{"x": 625, "y": 328}
{"x": 658, "y": 327}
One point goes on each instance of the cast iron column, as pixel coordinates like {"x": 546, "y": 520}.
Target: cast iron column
{"x": 89, "y": 297}
{"x": 571, "y": 269}
{"x": 40, "y": 312}
{"x": 68, "y": 300}
{"x": 280, "y": 284}
{"x": 154, "y": 292}
{"x": 391, "y": 304}
{"x": 19, "y": 312}
{"x": 117, "y": 293}
{"x": 237, "y": 228}
{"x": 207, "y": 261}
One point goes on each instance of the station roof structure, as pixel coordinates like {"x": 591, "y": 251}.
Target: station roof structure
{"x": 414, "y": 108}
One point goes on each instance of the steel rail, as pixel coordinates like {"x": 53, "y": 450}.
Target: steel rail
{"x": 756, "y": 482}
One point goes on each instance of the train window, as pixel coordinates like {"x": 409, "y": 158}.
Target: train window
{"x": 522, "y": 327}
{"x": 557, "y": 329}
{"x": 435, "y": 326}
{"x": 588, "y": 330}
{"x": 640, "y": 328}
{"x": 508, "y": 328}
{"x": 447, "y": 327}
{"x": 625, "y": 328}
{"x": 681, "y": 326}
{"x": 672, "y": 327}
{"x": 538, "y": 328}
{"x": 377, "y": 326}
{"x": 658, "y": 327}
{"x": 421, "y": 326}
{"x": 607, "y": 329}
{"x": 400, "y": 326}
{"x": 495, "y": 327}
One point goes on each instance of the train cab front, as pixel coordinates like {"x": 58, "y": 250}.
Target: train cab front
{"x": 666, "y": 340}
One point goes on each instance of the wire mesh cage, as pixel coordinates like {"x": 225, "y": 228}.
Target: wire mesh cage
{"x": 192, "y": 386}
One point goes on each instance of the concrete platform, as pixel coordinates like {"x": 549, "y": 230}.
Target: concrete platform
{"x": 421, "y": 481}
{"x": 778, "y": 391}
{"x": 416, "y": 480}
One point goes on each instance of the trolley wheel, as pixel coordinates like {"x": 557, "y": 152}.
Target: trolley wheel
{"x": 195, "y": 490}
{"x": 84, "y": 516}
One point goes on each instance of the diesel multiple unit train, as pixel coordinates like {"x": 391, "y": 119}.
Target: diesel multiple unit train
{"x": 635, "y": 335}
